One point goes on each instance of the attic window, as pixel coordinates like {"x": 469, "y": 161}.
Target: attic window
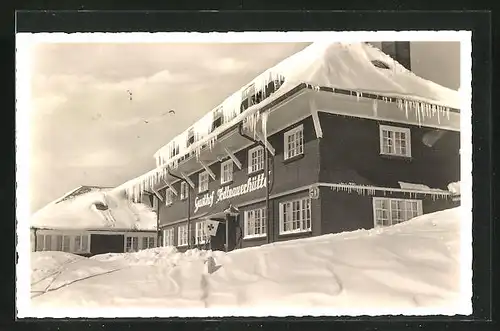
{"x": 101, "y": 206}
{"x": 190, "y": 137}
{"x": 380, "y": 64}
{"x": 217, "y": 121}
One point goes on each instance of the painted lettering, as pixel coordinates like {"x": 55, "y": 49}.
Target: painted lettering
{"x": 252, "y": 184}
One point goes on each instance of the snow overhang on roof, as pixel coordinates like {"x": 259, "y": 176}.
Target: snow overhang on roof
{"x": 358, "y": 67}
{"x": 80, "y": 213}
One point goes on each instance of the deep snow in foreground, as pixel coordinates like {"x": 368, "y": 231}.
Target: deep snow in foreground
{"x": 408, "y": 266}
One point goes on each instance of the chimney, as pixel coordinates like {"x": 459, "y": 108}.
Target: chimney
{"x": 399, "y": 51}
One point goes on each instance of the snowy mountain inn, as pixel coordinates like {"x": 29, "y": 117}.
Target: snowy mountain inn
{"x": 335, "y": 138}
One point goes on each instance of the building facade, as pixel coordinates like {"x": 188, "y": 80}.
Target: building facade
{"x": 342, "y": 181}
{"x": 337, "y": 159}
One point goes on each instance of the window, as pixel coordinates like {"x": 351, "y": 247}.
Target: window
{"x": 226, "y": 170}
{"x": 148, "y": 242}
{"x": 255, "y": 159}
{"x": 174, "y": 149}
{"x": 218, "y": 118}
{"x": 203, "y": 182}
{"x": 169, "y": 197}
{"x": 294, "y": 142}
{"x": 380, "y": 64}
{"x": 184, "y": 190}
{"x": 182, "y": 239}
{"x": 201, "y": 235}
{"x": 43, "y": 242}
{"x": 255, "y": 223}
{"x": 155, "y": 203}
{"x": 190, "y": 137}
{"x": 131, "y": 244}
{"x": 388, "y": 211}
{"x": 295, "y": 216}
{"x": 81, "y": 244}
{"x": 247, "y": 97}
{"x": 63, "y": 243}
{"x": 168, "y": 237}
{"x": 395, "y": 141}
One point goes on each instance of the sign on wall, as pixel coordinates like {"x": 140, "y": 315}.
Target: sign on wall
{"x": 209, "y": 199}
{"x": 314, "y": 192}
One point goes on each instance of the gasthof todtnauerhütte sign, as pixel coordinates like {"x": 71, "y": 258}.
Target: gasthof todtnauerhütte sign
{"x": 207, "y": 200}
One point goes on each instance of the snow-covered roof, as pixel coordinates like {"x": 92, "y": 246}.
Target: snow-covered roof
{"x": 81, "y": 190}
{"x": 80, "y": 213}
{"x": 337, "y": 65}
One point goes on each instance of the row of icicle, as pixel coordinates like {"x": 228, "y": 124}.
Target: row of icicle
{"x": 230, "y": 108}
{"x": 370, "y": 190}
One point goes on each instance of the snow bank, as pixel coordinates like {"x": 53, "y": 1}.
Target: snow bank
{"x": 399, "y": 269}
{"x": 81, "y": 213}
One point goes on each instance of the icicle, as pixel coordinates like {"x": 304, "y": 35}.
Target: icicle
{"x": 264, "y": 125}
{"x": 448, "y": 113}
{"x": 406, "y": 108}
{"x": 417, "y": 112}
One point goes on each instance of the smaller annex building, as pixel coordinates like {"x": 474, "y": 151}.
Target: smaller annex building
{"x": 92, "y": 220}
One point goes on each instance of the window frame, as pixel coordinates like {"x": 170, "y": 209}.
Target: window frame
{"x": 200, "y": 188}
{"x": 79, "y": 248}
{"x": 389, "y": 201}
{"x": 132, "y": 237}
{"x": 44, "y": 245}
{"x": 180, "y": 242}
{"x": 184, "y": 190}
{"x": 170, "y": 234}
{"x": 261, "y": 165}
{"x": 217, "y": 118}
{"x": 293, "y": 132}
{"x": 222, "y": 165}
{"x": 148, "y": 240}
{"x": 394, "y": 130}
{"x": 301, "y": 210}
{"x": 263, "y": 222}
{"x": 169, "y": 197}
{"x": 156, "y": 202}
{"x": 201, "y": 236}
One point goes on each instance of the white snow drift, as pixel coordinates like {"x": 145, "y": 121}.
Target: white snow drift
{"x": 408, "y": 268}
{"x": 81, "y": 213}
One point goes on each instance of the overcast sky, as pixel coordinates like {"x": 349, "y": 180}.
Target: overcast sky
{"x": 86, "y": 131}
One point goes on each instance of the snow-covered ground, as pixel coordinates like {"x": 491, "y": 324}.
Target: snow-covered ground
{"x": 410, "y": 268}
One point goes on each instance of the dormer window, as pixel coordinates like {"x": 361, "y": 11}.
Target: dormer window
{"x": 380, "y": 64}
{"x": 247, "y": 97}
{"x": 190, "y": 139}
{"x": 174, "y": 150}
{"x": 101, "y": 206}
{"x": 218, "y": 118}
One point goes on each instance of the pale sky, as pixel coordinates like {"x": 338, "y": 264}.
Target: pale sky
{"x": 86, "y": 131}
